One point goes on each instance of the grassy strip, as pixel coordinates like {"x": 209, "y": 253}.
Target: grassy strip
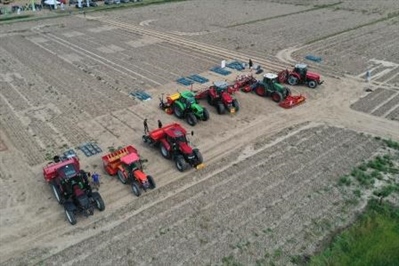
{"x": 316, "y": 7}
{"x": 373, "y": 240}
{"x": 56, "y": 14}
{"x": 388, "y": 17}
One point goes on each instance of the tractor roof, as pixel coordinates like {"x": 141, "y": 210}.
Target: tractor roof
{"x": 301, "y": 66}
{"x": 270, "y": 75}
{"x": 187, "y": 94}
{"x": 68, "y": 171}
{"x": 130, "y": 158}
{"x": 175, "y": 132}
{"x": 221, "y": 84}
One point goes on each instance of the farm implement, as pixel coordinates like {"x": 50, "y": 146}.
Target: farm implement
{"x": 300, "y": 75}
{"x": 220, "y": 96}
{"x": 71, "y": 188}
{"x": 127, "y": 165}
{"x": 269, "y": 87}
{"x": 185, "y": 106}
{"x": 173, "y": 144}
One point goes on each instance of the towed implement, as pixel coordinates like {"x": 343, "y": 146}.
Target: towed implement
{"x": 173, "y": 144}
{"x": 127, "y": 165}
{"x": 71, "y": 188}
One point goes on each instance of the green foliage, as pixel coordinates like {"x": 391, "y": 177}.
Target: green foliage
{"x": 373, "y": 240}
{"x": 391, "y": 144}
{"x": 386, "y": 191}
{"x": 344, "y": 180}
{"x": 357, "y": 193}
{"x": 230, "y": 261}
{"x": 363, "y": 178}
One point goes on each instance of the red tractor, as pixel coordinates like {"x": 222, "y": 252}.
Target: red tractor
{"x": 173, "y": 144}
{"x": 300, "y": 75}
{"x": 127, "y": 165}
{"x": 71, "y": 187}
{"x": 219, "y": 95}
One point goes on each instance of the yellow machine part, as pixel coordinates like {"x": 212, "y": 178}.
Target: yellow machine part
{"x": 174, "y": 96}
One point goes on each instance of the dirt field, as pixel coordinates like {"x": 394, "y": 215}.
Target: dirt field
{"x": 269, "y": 190}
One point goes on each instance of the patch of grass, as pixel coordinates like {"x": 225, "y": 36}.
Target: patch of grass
{"x": 344, "y": 180}
{"x": 362, "y": 177}
{"x": 230, "y": 261}
{"x": 357, "y": 193}
{"x": 373, "y": 240}
{"x": 391, "y": 143}
{"x": 17, "y": 17}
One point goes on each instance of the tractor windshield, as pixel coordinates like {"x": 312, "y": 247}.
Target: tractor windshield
{"x": 191, "y": 100}
{"x": 132, "y": 167}
{"x": 67, "y": 171}
{"x": 181, "y": 139}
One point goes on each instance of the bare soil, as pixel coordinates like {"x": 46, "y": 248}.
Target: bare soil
{"x": 269, "y": 189}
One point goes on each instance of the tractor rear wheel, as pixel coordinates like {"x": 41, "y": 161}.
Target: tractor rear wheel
{"x": 260, "y": 91}
{"x": 99, "y": 201}
{"x": 236, "y": 105}
{"x": 181, "y": 163}
{"x": 205, "y": 115}
{"x": 191, "y": 119}
{"x": 277, "y": 97}
{"x": 220, "y": 108}
{"x": 121, "y": 177}
{"x": 57, "y": 193}
{"x": 198, "y": 155}
{"x": 210, "y": 100}
{"x": 136, "y": 188}
{"x": 312, "y": 84}
{"x": 292, "y": 80}
{"x": 151, "y": 181}
{"x": 165, "y": 153}
{"x": 179, "y": 113}
{"x": 70, "y": 216}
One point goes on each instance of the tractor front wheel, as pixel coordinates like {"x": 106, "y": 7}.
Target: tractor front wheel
{"x": 151, "y": 182}
{"x": 312, "y": 84}
{"x": 136, "y": 188}
{"x": 181, "y": 163}
{"x": 70, "y": 216}
{"x": 236, "y": 105}
{"x": 198, "y": 155}
{"x": 220, "y": 108}
{"x": 179, "y": 113}
{"x": 165, "y": 153}
{"x": 191, "y": 119}
{"x": 260, "y": 91}
{"x": 205, "y": 115}
{"x": 210, "y": 100}
{"x": 277, "y": 97}
{"x": 121, "y": 177}
{"x": 57, "y": 193}
{"x": 99, "y": 201}
{"x": 292, "y": 80}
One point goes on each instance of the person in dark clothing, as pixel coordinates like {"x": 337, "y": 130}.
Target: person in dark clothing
{"x": 250, "y": 64}
{"x": 159, "y": 124}
{"x": 146, "y": 130}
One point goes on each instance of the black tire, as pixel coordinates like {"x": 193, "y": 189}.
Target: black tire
{"x": 220, "y": 108}
{"x": 181, "y": 163}
{"x": 179, "y": 113}
{"x": 121, "y": 177}
{"x": 236, "y": 105}
{"x": 205, "y": 115}
{"x": 165, "y": 153}
{"x": 260, "y": 90}
{"x": 312, "y": 84}
{"x": 287, "y": 92}
{"x": 100, "y": 205}
{"x": 191, "y": 119}
{"x": 210, "y": 100}
{"x": 198, "y": 155}
{"x": 151, "y": 181}
{"x": 136, "y": 188}
{"x": 277, "y": 97}
{"x": 70, "y": 216}
{"x": 292, "y": 80}
{"x": 57, "y": 193}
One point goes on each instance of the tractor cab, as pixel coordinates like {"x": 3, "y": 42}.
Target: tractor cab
{"x": 220, "y": 86}
{"x": 187, "y": 97}
{"x": 175, "y": 135}
{"x": 131, "y": 163}
{"x": 270, "y": 78}
{"x": 68, "y": 171}
{"x": 301, "y": 70}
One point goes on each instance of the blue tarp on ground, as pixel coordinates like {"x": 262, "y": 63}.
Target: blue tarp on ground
{"x": 141, "y": 95}
{"x": 90, "y": 149}
{"x": 236, "y": 65}
{"x": 310, "y": 57}
{"x": 220, "y": 71}
{"x": 198, "y": 78}
{"x": 185, "y": 81}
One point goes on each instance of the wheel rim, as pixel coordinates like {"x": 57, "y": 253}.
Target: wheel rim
{"x": 276, "y": 97}
{"x": 121, "y": 177}
{"x": 292, "y": 80}
{"x": 260, "y": 91}
{"x": 69, "y": 216}
{"x": 164, "y": 151}
{"x": 57, "y": 196}
{"x": 312, "y": 84}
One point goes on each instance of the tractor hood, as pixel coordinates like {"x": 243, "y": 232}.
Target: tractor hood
{"x": 185, "y": 148}
{"x": 226, "y": 97}
{"x": 278, "y": 87}
{"x": 313, "y": 76}
{"x": 196, "y": 108}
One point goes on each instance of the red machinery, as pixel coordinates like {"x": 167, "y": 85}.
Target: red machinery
{"x": 244, "y": 82}
{"x": 71, "y": 187}
{"x": 174, "y": 145}
{"x": 300, "y": 75}
{"x": 220, "y": 96}
{"x": 127, "y": 165}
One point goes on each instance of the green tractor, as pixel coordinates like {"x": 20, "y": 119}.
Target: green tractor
{"x": 269, "y": 87}
{"x": 185, "y": 106}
